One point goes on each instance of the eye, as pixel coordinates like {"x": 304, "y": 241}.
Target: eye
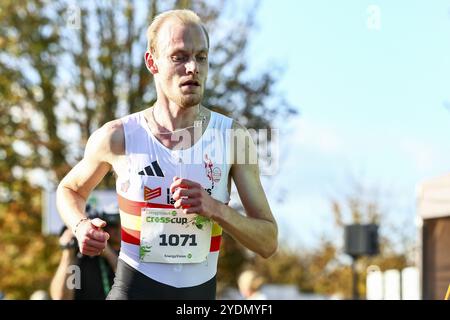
{"x": 178, "y": 58}
{"x": 202, "y": 58}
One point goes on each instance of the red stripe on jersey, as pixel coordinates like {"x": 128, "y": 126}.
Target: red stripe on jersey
{"x": 134, "y": 207}
{"x": 131, "y": 236}
{"x": 215, "y": 243}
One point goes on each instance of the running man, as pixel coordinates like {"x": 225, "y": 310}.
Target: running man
{"x": 173, "y": 162}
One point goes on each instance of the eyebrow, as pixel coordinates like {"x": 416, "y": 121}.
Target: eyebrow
{"x": 175, "y": 51}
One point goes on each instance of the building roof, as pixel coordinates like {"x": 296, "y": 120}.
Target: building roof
{"x": 433, "y": 198}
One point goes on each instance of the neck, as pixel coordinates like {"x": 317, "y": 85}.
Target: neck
{"x": 172, "y": 117}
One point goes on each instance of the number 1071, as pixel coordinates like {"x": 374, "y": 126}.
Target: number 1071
{"x": 177, "y": 239}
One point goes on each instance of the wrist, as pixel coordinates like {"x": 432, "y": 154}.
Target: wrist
{"x": 78, "y": 224}
{"x": 106, "y": 251}
{"x": 218, "y": 210}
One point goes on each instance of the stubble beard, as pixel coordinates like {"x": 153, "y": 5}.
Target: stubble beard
{"x": 187, "y": 100}
{"x": 190, "y": 100}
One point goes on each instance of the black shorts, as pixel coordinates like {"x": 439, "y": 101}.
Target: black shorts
{"x": 130, "y": 284}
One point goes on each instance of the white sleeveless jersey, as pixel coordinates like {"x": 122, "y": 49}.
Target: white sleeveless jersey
{"x": 150, "y": 168}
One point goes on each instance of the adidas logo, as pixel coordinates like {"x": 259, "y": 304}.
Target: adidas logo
{"x": 152, "y": 170}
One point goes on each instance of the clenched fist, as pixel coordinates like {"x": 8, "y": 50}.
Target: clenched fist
{"x": 91, "y": 238}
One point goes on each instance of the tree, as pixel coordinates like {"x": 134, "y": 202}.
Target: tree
{"x": 364, "y": 205}
{"x": 326, "y": 269}
{"x": 65, "y": 71}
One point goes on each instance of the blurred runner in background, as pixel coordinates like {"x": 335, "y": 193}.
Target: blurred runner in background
{"x": 81, "y": 277}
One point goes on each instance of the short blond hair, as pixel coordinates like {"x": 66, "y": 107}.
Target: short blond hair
{"x": 184, "y": 15}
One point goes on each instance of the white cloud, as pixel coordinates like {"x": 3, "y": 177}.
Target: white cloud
{"x": 317, "y": 136}
{"x": 424, "y": 155}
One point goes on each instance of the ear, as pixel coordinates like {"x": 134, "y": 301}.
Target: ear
{"x": 150, "y": 62}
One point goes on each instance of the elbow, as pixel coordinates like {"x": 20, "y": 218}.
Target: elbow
{"x": 271, "y": 247}
{"x": 60, "y": 190}
{"x": 62, "y": 186}
{"x": 269, "y": 250}
{"x": 60, "y": 194}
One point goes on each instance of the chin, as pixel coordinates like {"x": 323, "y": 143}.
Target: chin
{"x": 188, "y": 101}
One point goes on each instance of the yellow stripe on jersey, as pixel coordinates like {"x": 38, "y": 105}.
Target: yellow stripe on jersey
{"x": 216, "y": 230}
{"x": 130, "y": 221}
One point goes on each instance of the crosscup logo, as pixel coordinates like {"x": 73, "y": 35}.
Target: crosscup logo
{"x": 149, "y": 172}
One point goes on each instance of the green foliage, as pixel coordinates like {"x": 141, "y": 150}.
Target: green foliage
{"x": 28, "y": 258}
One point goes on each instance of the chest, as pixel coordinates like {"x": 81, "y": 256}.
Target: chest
{"x": 148, "y": 176}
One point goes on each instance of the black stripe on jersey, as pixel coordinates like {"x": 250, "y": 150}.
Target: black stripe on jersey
{"x": 149, "y": 172}
{"x": 157, "y": 169}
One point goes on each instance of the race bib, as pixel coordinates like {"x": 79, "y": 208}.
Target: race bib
{"x": 169, "y": 236}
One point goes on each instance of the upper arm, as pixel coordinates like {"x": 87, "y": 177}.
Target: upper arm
{"x": 245, "y": 174}
{"x": 99, "y": 153}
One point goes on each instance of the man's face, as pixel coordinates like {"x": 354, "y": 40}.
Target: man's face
{"x": 182, "y": 63}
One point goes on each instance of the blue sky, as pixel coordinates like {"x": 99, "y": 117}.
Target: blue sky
{"x": 371, "y": 102}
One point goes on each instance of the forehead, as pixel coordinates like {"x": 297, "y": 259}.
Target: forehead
{"x": 176, "y": 35}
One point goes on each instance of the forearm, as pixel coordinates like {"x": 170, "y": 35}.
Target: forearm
{"x": 71, "y": 205}
{"x": 111, "y": 256}
{"x": 58, "y": 287}
{"x": 258, "y": 235}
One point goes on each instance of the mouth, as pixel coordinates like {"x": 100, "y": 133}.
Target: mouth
{"x": 193, "y": 83}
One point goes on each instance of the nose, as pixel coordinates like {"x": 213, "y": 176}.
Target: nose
{"x": 192, "y": 67}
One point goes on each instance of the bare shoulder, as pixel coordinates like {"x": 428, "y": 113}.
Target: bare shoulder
{"x": 107, "y": 141}
{"x": 237, "y": 125}
{"x": 239, "y": 130}
{"x": 243, "y": 146}
{"x": 205, "y": 112}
